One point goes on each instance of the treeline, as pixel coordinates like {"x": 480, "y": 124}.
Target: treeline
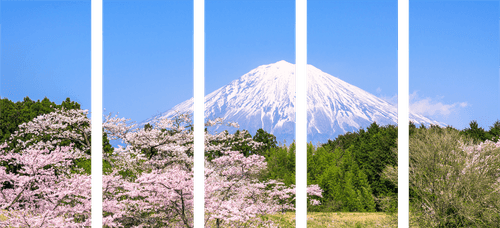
{"x": 358, "y": 170}
{"x": 12, "y": 114}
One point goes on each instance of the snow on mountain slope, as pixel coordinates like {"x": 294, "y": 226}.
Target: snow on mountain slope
{"x": 265, "y": 98}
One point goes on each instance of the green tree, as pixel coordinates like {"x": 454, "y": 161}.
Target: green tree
{"x": 495, "y": 131}
{"x": 349, "y": 197}
{"x": 320, "y": 160}
{"x": 345, "y": 185}
{"x": 478, "y": 134}
{"x": 267, "y": 139}
{"x": 365, "y": 192}
{"x": 281, "y": 164}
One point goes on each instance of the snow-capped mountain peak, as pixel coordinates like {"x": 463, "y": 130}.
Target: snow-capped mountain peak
{"x": 265, "y": 98}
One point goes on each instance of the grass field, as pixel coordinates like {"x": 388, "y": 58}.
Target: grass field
{"x": 332, "y": 219}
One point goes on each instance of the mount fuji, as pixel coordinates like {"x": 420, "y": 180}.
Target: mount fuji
{"x": 265, "y": 98}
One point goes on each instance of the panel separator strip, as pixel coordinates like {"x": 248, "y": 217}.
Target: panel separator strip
{"x": 96, "y": 115}
{"x": 301, "y": 112}
{"x": 403, "y": 112}
{"x": 198, "y": 115}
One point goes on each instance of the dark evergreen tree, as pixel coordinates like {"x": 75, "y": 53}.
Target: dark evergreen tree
{"x": 281, "y": 164}
{"x": 478, "y": 134}
{"x": 267, "y": 139}
{"x": 240, "y": 145}
{"x": 495, "y": 131}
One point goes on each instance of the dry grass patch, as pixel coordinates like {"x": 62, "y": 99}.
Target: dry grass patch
{"x": 338, "y": 219}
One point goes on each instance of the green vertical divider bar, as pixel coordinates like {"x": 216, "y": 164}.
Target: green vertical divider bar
{"x": 403, "y": 215}
{"x": 198, "y": 115}
{"x": 96, "y": 113}
{"x": 301, "y": 113}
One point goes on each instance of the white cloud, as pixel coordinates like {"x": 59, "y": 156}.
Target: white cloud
{"x": 393, "y": 100}
{"x": 379, "y": 90}
{"x": 431, "y": 107}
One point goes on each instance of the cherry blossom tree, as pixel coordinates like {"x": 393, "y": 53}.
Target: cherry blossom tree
{"x": 153, "y": 181}
{"x": 46, "y": 193}
{"x": 56, "y": 129}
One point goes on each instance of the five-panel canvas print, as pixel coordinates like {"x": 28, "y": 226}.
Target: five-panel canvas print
{"x": 250, "y": 114}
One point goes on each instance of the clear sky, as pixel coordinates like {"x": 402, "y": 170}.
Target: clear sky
{"x": 148, "y": 52}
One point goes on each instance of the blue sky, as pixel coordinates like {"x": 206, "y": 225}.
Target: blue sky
{"x": 148, "y": 53}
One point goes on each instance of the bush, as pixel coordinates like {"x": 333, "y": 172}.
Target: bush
{"x": 454, "y": 182}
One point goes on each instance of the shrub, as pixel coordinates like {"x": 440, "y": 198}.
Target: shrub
{"x": 454, "y": 182}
